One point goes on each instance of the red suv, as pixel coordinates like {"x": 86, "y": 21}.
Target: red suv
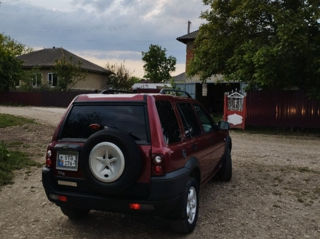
{"x": 135, "y": 152}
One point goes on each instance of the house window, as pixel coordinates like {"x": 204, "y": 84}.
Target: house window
{"x": 52, "y": 79}
{"x": 36, "y": 80}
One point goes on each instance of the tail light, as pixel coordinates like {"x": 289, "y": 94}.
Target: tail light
{"x": 58, "y": 197}
{"x": 158, "y": 165}
{"x": 135, "y": 206}
{"x": 62, "y": 198}
{"x": 49, "y": 156}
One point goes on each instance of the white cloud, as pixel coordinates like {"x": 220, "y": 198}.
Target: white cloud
{"x": 135, "y": 66}
{"x": 111, "y": 29}
{"x": 56, "y": 5}
{"x": 112, "y": 54}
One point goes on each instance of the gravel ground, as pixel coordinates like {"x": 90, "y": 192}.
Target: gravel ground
{"x": 274, "y": 193}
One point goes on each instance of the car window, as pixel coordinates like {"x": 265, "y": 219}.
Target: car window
{"x": 205, "y": 120}
{"x": 169, "y": 123}
{"x": 189, "y": 120}
{"x": 127, "y": 118}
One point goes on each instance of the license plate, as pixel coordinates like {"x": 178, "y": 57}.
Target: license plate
{"x": 67, "y": 161}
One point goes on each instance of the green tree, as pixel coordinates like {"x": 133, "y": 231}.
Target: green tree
{"x": 10, "y": 67}
{"x": 120, "y": 77}
{"x": 157, "y": 65}
{"x": 268, "y": 43}
{"x": 29, "y": 78}
{"x": 68, "y": 73}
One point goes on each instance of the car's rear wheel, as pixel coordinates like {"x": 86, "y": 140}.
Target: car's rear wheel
{"x": 74, "y": 213}
{"x": 188, "y": 215}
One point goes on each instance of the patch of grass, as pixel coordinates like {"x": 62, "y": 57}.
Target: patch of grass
{"x": 12, "y": 160}
{"x": 10, "y": 120}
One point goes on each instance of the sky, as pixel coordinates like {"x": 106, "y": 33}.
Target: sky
{"x": 103, "y": 31}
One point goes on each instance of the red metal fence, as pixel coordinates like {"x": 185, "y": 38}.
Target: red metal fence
{"x": 284, "y": 109}
{"x": 40, "y": 98}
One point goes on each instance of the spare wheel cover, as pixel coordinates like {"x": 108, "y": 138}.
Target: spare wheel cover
{"x": 111, "y": 160}
{"x": 106, "y": 162}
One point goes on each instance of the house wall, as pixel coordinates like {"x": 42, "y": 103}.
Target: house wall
{"x": 45, "y": 77}
{"x": 188, "y": 87}
{"x": 92, "y": 81}
{"x": 189, "y": 56}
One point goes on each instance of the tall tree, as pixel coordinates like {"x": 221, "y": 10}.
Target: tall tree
{"x": 10, "y": 67}
{"x": 157, "y": 65}
{"x": 68, "y": 72}
{"x": 266, "y": 43}
{"x": 120, "y": 77}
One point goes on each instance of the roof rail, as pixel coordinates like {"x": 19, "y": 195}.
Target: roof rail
{"x": 114, "y": 91}
{"x": 176, "y": 92}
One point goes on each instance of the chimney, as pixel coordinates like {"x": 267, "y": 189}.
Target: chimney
{"x": 189, "y": 26}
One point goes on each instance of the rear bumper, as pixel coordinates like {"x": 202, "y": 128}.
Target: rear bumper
{"x": 164, "y": 195}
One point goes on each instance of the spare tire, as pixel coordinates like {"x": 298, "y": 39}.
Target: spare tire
{"x": 111, "y": 161}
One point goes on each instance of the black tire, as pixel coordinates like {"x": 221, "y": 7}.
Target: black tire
{"x": 225, "y": 172}
{"x": 132, "y": 159}
{"x": 182, "y": 223}
{"x": 74, "y": 214}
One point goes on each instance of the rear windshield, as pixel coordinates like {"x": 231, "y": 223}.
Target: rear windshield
{"x": 130, "y": 119}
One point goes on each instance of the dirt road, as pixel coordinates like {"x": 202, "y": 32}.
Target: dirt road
{"x": 46, "y": 115}
{"x": 274, "y": 193}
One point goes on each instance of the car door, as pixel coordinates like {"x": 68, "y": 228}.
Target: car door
{"x": 214, "y": 139}
{"x": 172, "y": 135}
{"x": 195, "y": 140}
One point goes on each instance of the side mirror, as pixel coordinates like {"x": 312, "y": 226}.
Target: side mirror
{"x": 223, "y": 125}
